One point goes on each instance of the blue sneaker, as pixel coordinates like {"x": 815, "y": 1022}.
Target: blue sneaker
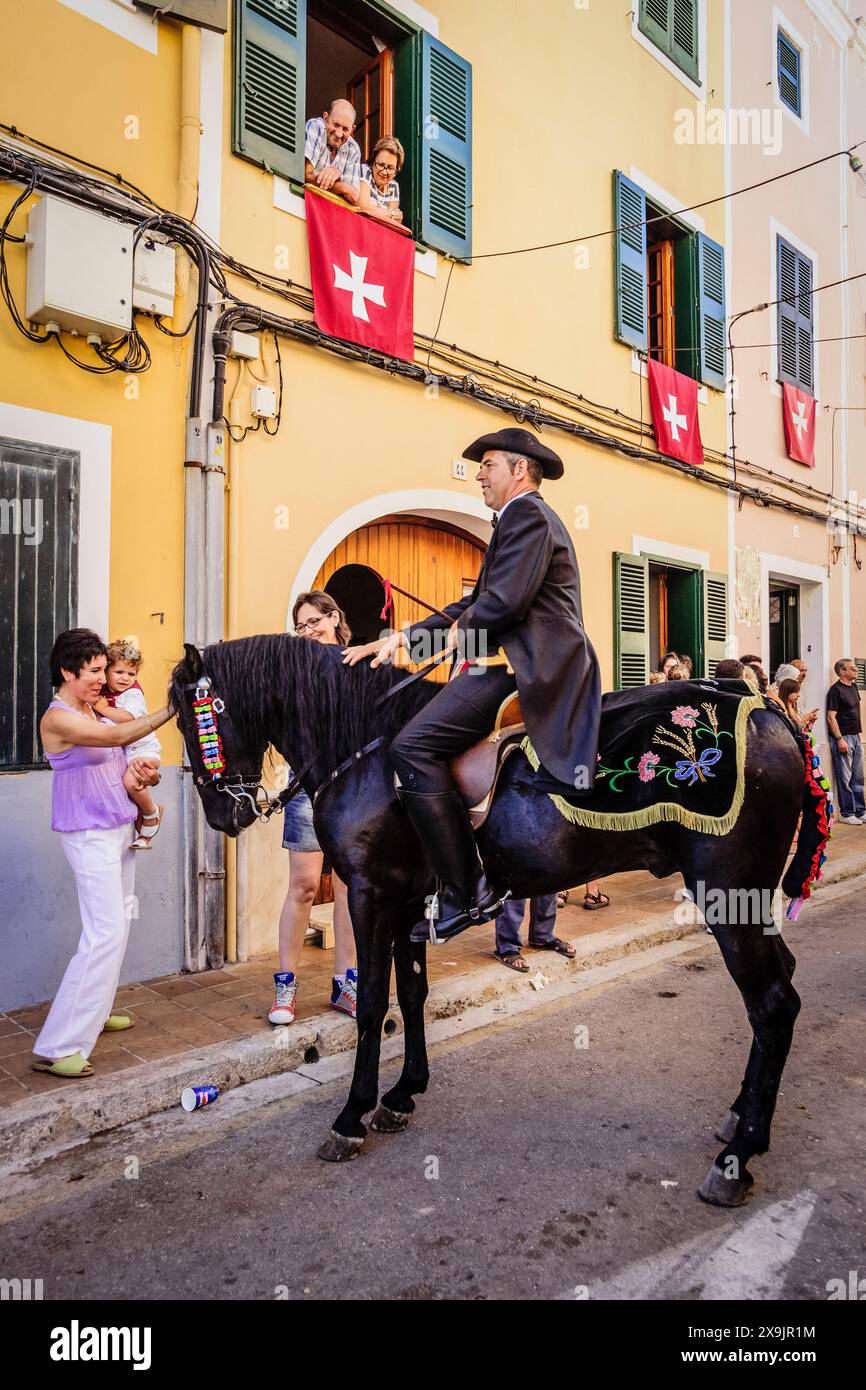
{"x": 285, "y": 989}
{"x": 344, "y": 998}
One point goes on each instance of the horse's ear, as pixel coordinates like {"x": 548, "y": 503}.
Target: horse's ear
{"x": 194, "y": 664}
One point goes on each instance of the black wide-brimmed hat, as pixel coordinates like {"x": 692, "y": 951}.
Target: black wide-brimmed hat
{"x": 515, "y": 441}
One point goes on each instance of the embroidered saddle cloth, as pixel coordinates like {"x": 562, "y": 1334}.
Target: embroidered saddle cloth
{"x": 669, "y": 752}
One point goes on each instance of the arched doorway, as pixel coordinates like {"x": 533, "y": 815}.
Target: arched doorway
{"x": 434, "y": 560}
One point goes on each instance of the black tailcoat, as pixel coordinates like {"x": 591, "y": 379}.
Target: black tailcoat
{"x": 527, "y": 600}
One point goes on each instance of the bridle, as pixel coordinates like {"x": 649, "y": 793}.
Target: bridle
{"x": 206, "y": 709}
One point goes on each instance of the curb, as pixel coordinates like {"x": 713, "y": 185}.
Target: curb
{"x": 38, "y": 1126}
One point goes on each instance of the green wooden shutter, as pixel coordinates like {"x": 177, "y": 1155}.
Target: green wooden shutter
{"x": 699, "y": 291}
{"x": 270, "y": 48}
{"x": 630, "y": 263}
{"x": 715, "y": 620}
{"x": 630, "y": 620}
{"x": 794, "y": 279}
{"x": 672, "y": 25}
{"x": 38, "y": 585}
{"x": 445, "y": 121}
{"x": 684, "y": 36}
{"x": 860, "y": 663}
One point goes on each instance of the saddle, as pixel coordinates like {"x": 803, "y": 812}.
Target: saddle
{"x": 475, "y": 772}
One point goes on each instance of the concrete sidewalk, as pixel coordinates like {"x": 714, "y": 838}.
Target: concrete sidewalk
{"x": 212, "y": 1027}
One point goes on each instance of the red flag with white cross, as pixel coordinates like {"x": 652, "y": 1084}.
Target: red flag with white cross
{"x": 363, "y": 274}
{"x": 674, "y": 407}
{"x": 798, "y": 409}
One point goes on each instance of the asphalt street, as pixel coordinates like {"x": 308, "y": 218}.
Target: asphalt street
{"x": 556, "y": 1155}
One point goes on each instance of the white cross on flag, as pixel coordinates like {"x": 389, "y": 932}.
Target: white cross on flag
{"x": 674, "y": 406}
{"x": 798, "y": 410}
{"x": 363, "y": 274}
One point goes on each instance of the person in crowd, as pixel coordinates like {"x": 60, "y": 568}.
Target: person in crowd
{"x": 317, "y": 618}
{"x": 786, "y": 672}
{"x": 678, "y": 672}
{"x": 542, "y": 920}
{"x": 123, "y": 699}
{"x": 788, "y": 695}
{"x": 94, "y": 818}
{"x": 332, "y": 159}
{"x": 729, "y": 669}
{"x": 656, "y": 678}
{"x": 689, "y": 665}
{"x": 379, "y": 192}
{"x": 801, "y": 667}
{"x": 668, "y": 660}
{"x": 759, "y": 674}
{"x": 846, "y": 749}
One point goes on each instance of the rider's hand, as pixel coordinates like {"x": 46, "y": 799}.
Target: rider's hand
{"x": 382, "y": 651}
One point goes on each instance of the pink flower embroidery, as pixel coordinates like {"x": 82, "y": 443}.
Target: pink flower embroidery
{"x": 646, "y": 768}
{"x": 684, "y": 716}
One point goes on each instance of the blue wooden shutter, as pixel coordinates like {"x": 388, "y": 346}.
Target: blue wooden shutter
{"x": 788, "y": 61}
{"x": 711, "y": 311}
{"x": 446, "y": 149}
{"x": 270, "y": 84}
{"x": 715, "y": 620}
{"x": 630, "y": 620}
{"x": 630, "y": 263}
{"x": 38, "y": 586}
{"x": 794, "y": 278}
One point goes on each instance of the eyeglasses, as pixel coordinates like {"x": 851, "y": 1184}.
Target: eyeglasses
{"x": 310, "y": 623}
{"x": 385, "y": 168}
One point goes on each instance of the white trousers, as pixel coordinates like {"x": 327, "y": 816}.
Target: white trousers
{"x": 104, "y": 868}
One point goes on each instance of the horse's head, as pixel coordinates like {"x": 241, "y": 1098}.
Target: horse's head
{"x": 226, "y": 770}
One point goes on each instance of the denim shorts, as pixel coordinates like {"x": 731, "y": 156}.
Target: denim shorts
{"x": 298, "y": 832}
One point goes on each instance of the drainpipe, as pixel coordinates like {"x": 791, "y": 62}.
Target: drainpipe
{"x": 236, "y": 857}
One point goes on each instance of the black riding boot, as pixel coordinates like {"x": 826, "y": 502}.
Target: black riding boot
{"x": 463, "y": 897}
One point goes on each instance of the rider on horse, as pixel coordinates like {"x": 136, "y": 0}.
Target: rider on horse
{"x": 521, "y": 627}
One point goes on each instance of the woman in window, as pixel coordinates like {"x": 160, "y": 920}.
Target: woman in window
{"x": 94, "y": 817}
{"x": 379, "y": 190}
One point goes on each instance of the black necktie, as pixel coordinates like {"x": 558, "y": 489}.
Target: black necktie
{"x": 494, "y": 520}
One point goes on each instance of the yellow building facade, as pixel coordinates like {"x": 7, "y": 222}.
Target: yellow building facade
{"x": 566, "y": 119}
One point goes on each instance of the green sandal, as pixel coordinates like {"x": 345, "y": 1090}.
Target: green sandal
{"x": 118, "y": 1023}
{"x": 69, "y": 1067}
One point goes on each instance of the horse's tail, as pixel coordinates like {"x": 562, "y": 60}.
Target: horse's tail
{"x": 805, "y": 868}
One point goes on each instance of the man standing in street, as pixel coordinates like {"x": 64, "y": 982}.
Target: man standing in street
{"x": 844, "y": 726}
{"x": 521, "y": 627}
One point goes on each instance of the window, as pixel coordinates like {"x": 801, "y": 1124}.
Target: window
{"x": 795, "y": 329}
{"x": 292, "y": 57}
{"x": 38, "y": 586}
{"x": 672, "y": 25}
{"x": 661, "y": 606}
{"x": 669, "y": 287}
{"x": 788, "y": 72}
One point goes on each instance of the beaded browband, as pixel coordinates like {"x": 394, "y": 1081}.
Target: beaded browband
{"x": 206, "y": 711}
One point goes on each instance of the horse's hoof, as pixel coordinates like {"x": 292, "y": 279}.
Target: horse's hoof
{"x": 720, "y": 1191}
{"x": 728, "y": 1128}
{"x": 386, "y": 1121}
{"x": 338, "y": 1148}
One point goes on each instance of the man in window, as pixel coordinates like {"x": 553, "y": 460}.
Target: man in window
{"x": 332, "y": 159}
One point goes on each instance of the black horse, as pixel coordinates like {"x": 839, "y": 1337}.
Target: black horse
{"x": 297, "y": 696}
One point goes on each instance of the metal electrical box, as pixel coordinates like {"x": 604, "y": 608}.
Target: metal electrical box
{"x": 79, "y": 270}
{"x": 153, "y": 282}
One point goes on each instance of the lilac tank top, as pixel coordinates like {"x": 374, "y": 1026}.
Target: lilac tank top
{"x": 87, "y": 791}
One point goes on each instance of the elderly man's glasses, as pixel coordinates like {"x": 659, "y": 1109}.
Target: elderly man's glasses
{"x": 310, "y": 624}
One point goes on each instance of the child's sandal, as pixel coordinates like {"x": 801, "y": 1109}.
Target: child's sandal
{"x": 148, "y": 830}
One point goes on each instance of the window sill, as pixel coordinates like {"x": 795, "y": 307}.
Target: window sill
{"x": 288, "y": 198}
{"x": 639, "y": 367}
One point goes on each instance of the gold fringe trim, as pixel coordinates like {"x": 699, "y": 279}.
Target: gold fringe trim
{"x": 664, "y": 810}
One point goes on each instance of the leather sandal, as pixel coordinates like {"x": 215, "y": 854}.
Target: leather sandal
{"x": 593, "y": 901}
{"x": 512, "y": 960}
{"x": 556, "y": 943}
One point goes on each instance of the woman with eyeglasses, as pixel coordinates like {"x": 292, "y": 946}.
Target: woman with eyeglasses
{"x": 316, "y": 617}
{"x": 379, "y": 190}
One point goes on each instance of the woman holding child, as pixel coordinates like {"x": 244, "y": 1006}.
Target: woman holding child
{"x": 92, "y": 811}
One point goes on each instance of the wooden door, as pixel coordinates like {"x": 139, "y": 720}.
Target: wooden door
{"x": 372, "y": 95}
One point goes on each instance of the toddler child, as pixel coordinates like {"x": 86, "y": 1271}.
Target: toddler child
{"x": 123, "y": 700}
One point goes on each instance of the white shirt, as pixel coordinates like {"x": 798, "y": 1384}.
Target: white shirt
{"x": 498, "y": 515}
{"x": 149, "y": 746}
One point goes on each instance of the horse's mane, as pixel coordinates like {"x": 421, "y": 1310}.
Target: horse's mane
{"x": 271, "y": 681}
